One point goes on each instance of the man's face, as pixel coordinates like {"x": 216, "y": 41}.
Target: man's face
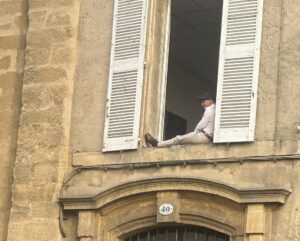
{"x": 206, "y": 103}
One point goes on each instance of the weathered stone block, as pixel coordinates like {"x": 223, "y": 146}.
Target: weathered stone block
{"x": 43, "y": 75}
{"x": 58, "y": 18}
{"x": 41, "y": 230}
{"x": 5, "y": 62}
{"x": 45, "y": 38}
{"x": 52, "y": 3}
{"x": 50, "y": 115}
{"x": 33, "y": 192}
{"x": 86, "y": 224}
{"x": 48, "y": 98}
{"x": 256, "y": 218}
{"x": 12, "y": 42}
{"x": 16, "y": 231}
{"x": 6, "y": 118}
{"x": 5, "y": 188}
{"x": 7, "y": 80}
{"x": 5, "y": 181}
{"x": 256, "y": 237}
{"x": 6, "y": 26}
{"x": 12, "y": 25}
{"x": 20, "y": 211}
{"x": 48, "y": 136}
{"x": 37, "y": 19}
{"x": 62, "y": 54}
{"x": 43, "y": 209}
{"x": 11, "y": 7}
{"x": 45, "y": 172}
{"x": 37, "y": 56}
{"x": 22, "y": 172}
{"x": 7, "y": 89}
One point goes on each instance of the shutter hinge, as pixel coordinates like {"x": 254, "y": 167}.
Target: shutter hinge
{"x": 145, "y": 65}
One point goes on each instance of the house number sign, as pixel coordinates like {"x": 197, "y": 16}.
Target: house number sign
{"x": 166, "y": 209}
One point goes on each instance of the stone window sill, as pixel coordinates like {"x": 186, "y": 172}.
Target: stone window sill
{"x": 189, "y": 152}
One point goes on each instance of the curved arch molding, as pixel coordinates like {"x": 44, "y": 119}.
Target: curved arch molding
{"x": 159, "y": 184}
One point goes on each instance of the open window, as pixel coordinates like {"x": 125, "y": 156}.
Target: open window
{"x": 193, "y": 60}
{"x": 214, "y": 45}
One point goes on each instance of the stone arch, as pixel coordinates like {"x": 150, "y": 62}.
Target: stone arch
{"x": 117, "y": 210}
{"x": 127, "y": 220}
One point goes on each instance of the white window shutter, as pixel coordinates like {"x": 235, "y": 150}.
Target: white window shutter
{"x": 126, "y": 75}
{"x": 238, "y": 71}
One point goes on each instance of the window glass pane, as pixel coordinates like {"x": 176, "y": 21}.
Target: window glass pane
{"x": 153, "y": 235}
{"x": 143, "y": 236}
{"x": 161, "y": 235}
{"x": 190, "y": 234}
{"x": 201, "y": 236}
{"x": 212, "y": 236}
{"x": 221, "y": 237}
{"x": 172, "y": 234}
{"x": 181, "y": 234}
{"x": 134, "y": 238}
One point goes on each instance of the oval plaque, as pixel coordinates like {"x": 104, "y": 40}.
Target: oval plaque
{"x": 166, "y": 209}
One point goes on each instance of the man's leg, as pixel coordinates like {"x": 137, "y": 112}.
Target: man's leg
{"x": 189, "y": 138}
{"x": 169, "y": 142}
{"x": 194, "y": 138}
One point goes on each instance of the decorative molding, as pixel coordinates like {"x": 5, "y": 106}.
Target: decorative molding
{"x": 208, "y": 223}
{"x": 125, "y": 228}
{"x": 158, "y": 184}
{"x": 188, "y": 219}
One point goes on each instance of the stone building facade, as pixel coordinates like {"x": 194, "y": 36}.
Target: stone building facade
{"x": 57, "y": 182}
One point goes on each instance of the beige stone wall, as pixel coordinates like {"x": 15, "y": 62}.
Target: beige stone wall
{"x": 90, "y": 87}
{"x": 289, "y": 71}
{"x": 13, "y": 27}
{"x": 67, "y": 48}
{"x": 43, "y": 135}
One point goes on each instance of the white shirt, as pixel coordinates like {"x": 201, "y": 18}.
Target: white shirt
{"x": 208, "y": 120}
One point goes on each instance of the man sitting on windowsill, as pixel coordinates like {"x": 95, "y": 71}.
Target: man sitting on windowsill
{"x": 203, "y": 132}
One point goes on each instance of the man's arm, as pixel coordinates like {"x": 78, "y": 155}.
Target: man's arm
{"x": 202, "y": 123}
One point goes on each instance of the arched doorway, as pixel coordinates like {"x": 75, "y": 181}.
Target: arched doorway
{"x": 178, "y": 233}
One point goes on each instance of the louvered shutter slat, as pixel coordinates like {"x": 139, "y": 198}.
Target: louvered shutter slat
{"x": 126, "y": 75}
{"x": 238, "y": 71}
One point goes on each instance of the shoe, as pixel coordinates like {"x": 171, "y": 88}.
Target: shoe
{"x": 150, "y": 140}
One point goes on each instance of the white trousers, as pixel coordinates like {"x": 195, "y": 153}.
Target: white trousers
{"x": 189, "y": 138}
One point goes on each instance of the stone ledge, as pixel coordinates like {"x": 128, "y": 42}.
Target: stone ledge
{"x": 189, "y": 152}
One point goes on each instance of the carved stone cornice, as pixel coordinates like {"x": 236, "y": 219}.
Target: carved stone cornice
{"x": 155, "y": 184}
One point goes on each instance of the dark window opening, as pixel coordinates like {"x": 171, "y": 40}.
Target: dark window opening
{"x": 180, "y": 233}
{"x": 193, "y": 59}
{"x": 174, "y": 125}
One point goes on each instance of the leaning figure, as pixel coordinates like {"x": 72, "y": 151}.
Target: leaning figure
{"x": 203, "y": 132}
